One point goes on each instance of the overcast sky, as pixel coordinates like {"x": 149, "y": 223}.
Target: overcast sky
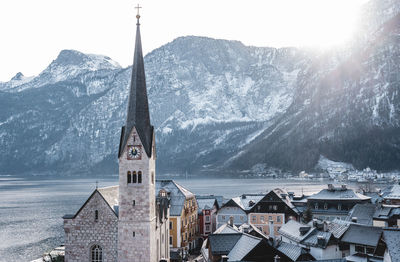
{"x": 34, "y": 32}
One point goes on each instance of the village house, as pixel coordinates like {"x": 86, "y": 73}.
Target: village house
{"x": 386, "y": 216}
{"x": 207, "y": 212}
{"x": 272, "y": 211}
{"x": 393, "y": 196}
{"x": 229, "y": 243}
{"x": 183, "y": 226}
{"x": 334, "y": 202}
{"x": 237, "y": 208}
{"x": 360, "y": 239}
{"x": 314, "y": 237}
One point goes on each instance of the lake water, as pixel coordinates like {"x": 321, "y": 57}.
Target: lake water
{"x": 31, "y": 209}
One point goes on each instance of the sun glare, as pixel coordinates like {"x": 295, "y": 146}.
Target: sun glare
{"x": 328, "y": 23}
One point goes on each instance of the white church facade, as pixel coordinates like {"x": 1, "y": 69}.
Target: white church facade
{"x": 128, "y": 222}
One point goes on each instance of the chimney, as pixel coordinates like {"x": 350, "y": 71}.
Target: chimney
{"x": 303, "y": 230}
{"x": 271, "y": 229}
{"x": 344, "y": 187}
{"x": 330, "y": 187}
{"x": 354, "y": 219}
{"x": 325, "y": 226}
{"x": 277, "y": 258}
{"x": 224, "y": 258}
{"x": 231, "y": 221}
{"x": 321, "y": 240}
{"x": 283, "y": 196}
{"x": 243, "y": 196}
{"x": 291, "y": 195}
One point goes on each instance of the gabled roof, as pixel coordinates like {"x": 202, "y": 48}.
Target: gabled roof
{"x": 245, "y": 201}
{"x": 138, "y": 115}
{"x": 227, "y": 229}
{"x": 385, "y": 212}
{"x": 292, "y": 229}
{"x": 222, "y": 244}
{"x": 220, "y": 199}
{"x": 290, "y": 250}
{"x": 394, "y": 192}
{"x": 338, "y": 227}
{"x": 280, "y": 194}
{"x": 242, "y": 247}
{"x": 203, "y": 204}
{"x": 108, "y": 194}
{"x": 177, "y": 193}
{"x": 392, "y": 239}
{"x": 363, "y": 235}
{"x": 363, "y": 212}
{"x": 235, "y": 245}
{"x": 312, "y": 239}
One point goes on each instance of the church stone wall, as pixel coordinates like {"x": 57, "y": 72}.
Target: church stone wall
{"x": 82, "y": 232}
{"x": 140, "y": 218}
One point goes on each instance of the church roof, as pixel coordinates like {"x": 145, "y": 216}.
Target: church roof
{"x": 138, "y": 115}
{"x": 110, "y": 195}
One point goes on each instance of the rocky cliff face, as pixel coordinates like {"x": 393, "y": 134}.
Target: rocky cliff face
{"x": 217, "y": 105}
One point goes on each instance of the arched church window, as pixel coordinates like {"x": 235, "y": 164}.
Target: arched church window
{"x": 96, "y": 254}
{"x": 96, "y": 215}
{"x": 152, "y": 177}
{"x": 140, "y": 177}
{"x": 134, "y": 176}
{"x": 128, "y": 176}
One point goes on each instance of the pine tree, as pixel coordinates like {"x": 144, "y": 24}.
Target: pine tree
{"x": 307, "y": 215}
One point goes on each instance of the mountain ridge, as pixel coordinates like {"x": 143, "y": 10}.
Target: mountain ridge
{"x": 218, "y": 106}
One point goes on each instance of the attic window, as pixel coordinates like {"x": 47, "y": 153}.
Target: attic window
{"x": 133, "y": 203}
{"x": 325, "y": 206}
{"x": 133, "y": 234}
{"x": 96, "y": 215}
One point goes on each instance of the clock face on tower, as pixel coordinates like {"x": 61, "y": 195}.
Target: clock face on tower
{"x": 134, "y": 152}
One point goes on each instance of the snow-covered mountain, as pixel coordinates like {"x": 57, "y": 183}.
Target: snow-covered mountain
{"x": 217, "y": 105}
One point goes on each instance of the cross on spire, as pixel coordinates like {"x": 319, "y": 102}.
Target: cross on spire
{"x": 138, "y": 9}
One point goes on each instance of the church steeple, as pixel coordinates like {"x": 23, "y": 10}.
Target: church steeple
{"x": 138, "y": 115}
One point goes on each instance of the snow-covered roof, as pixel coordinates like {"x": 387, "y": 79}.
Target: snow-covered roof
{"x": 247, "y": 201}
{"x": 110, "y": 195}
{"x": 177, "y": 193}
{"x": 227, "y": 229}
{"x": 338, "y": 193}
{"x": 205, "y": 204}
{"x": 394, "y": 193}
{"x": 292, "y": 230}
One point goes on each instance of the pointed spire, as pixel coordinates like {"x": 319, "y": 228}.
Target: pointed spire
{"x": 138, "y": 107}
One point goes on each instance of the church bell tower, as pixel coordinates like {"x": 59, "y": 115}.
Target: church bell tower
{"x": 136, "y": 157}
